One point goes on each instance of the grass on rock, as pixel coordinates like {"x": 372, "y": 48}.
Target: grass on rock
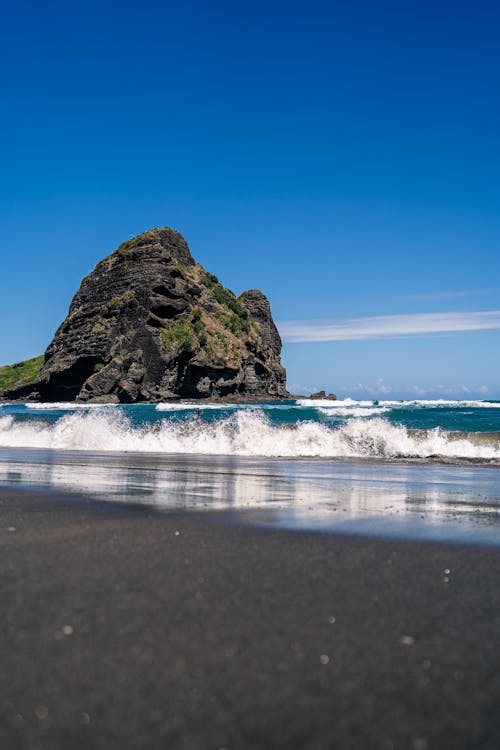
{"x": 20, "y": 373}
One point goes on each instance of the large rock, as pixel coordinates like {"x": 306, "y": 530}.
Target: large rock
{"x": 150, "y": 324}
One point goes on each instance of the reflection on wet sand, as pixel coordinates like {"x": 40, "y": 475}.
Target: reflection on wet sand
{"x": 355, "y": 496}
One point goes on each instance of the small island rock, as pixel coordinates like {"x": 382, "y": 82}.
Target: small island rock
{"x": 320, "y": 395}
{"x": 150, "y": 324}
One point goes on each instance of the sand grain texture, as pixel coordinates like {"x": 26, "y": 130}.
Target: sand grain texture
{"x": 124, "y": 628}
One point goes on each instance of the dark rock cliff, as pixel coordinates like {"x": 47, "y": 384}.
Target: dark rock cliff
{"x": 150, "y": 324}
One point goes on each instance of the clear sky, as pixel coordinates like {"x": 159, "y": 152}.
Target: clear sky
{"x": 344, "y": 157}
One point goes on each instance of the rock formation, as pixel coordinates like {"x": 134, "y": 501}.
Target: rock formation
{"x": 150, "y": 324}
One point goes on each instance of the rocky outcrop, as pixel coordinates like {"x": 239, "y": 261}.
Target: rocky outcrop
{"x": 150, "y": 324}
{"x": 320, "y": 395}
{"x": 20, "y": 374}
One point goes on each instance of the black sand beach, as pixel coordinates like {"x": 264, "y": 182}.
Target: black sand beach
{"x": 124, "y": 628}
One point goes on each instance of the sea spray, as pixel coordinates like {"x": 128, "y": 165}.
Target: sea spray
{"x": 247, "y": 432}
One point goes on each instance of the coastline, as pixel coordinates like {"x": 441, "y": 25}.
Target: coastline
{"x": 234, "y": 399}
{"x": 126, "y": 627}
{"x": 455, "y": 432}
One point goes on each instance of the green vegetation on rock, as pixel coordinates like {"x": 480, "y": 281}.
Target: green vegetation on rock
{"x": 20, "y": 373}
{"x": 196, "y": 317}
{"x": 150, "y": 323}
{"x": 203, "y": 335}
{"x": 135, "y": 241}
{"x": 225, "y": 297}
{"x": 121, "y": 300}
{"x": 234, "y": 323}
{"x": 182, "y": 267}
{"x": 179, "y": 335}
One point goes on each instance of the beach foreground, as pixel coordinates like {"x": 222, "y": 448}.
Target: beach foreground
{"x": 128, "y": 628}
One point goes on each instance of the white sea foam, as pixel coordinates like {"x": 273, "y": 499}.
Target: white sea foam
{"x": 326, "y": 403}
{"x": 346, "y": 407}
{"x": 354, "y": 411}
{"x": 244, "y": 433}
{"x": 201, "y": 406}
{"x": 186, "y": 406}
{"x": 440, "y": 402}
{"x": 350, "y": 403}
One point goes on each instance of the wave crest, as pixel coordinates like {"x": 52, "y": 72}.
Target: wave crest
{"x": 245, "y": 433}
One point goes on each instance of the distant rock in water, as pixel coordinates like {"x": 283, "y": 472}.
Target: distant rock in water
{"x": 320, "y": 395}
{"x": 149, "y": 323}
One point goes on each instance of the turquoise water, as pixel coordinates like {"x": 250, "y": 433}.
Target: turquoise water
{"x": 461, "y": 430}
{"x": 414, "y": 469}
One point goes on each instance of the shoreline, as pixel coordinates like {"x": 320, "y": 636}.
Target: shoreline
{"x": 174, "y": 400}
{"x": 126, "y": 627}
{"x": 424, "y": 461}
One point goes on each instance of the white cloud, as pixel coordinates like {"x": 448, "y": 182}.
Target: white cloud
{"x": 388, "y": 326}
{"x": 449, "y": 295}
{"x": 455, "y": 391}
{"x": 421, "y": 391}
{"x": 301, "y": 388}
{"x": 378, "y": 389}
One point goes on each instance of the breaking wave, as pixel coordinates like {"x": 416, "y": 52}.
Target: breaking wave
{"x": 339, "y": 405}
{"x": 353, "y": 411}
{"x": 222, "y": 406}
{"x": 326, "y": 403}
{"x": 441, "y": 402}
{"x": 187, "y": 406}
{"x": 245, "y": 433}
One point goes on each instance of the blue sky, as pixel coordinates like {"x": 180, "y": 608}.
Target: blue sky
{"x": 342, "y": 157}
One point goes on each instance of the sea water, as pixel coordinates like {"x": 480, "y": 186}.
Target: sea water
{"x": 412, "y": 468}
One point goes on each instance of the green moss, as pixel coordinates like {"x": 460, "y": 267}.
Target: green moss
{"x": 191, "y": 334}
{"x": 101, "y": 264}
{"x": 20, "y": 373}
{"x": 233, "y": 323}
{"x": 198, "y": 325}
{"x": 183, "y": 268}
{"x": 179, "y": 336}
{"x": 214, "y": 352}
{"x": 99, "y": 366}
{"x": 134, "y": 241}
{"x": 127, "y": 245}
{"x": 225, "y": 297}
{"x": 255, "y": 334}
{"x": 121, "y": 300}
{"x": 237, "y": 325}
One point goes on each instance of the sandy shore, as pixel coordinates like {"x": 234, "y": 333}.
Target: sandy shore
{"x": 124, "y": 628}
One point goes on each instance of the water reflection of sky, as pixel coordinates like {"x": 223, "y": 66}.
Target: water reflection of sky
{"x": 410, "y": 500}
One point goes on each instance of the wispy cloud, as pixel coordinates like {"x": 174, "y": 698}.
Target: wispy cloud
{"x": 425, "y": 296}
{"x": 378, "y": 389}
{"x": 443, "y": 390}
{"x": 388, "y": 326}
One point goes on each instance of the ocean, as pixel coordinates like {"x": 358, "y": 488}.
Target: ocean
{"x": 422, "y": 468}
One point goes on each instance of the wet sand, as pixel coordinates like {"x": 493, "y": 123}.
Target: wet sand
{"x": 128, "y": 628}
